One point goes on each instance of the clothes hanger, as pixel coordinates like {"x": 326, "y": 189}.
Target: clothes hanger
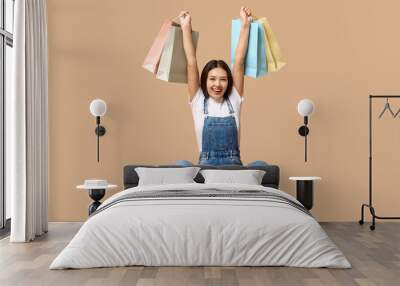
{"x": 387, "y": 107}
{"x": 397, "y": 113}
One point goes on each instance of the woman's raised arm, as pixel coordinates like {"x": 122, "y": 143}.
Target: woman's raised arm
{"x": 190, "y": 52}
{"x": 241, "y": 50}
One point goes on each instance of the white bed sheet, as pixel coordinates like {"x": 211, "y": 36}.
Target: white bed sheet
{"x": 200, "y": 231}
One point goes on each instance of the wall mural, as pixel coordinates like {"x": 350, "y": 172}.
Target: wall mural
{"x": 216, "y": 93}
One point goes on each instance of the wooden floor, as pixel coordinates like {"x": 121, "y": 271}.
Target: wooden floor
{"x": 375, "y": 257}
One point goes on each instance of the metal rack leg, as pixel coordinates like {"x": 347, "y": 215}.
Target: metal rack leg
{"x": 374, "y": 216}
{"x": 361, "y": 221}
{"x": 372, "y": 210}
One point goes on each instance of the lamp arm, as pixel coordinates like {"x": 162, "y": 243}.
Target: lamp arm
{"x": 305, "y": 137}
{"x": 98, "y": 141}
{"x": 305, "y": 148}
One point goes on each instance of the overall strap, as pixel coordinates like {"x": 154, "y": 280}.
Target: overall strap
{"x": 205, "y": 106}
{"x": 230, "y": 106}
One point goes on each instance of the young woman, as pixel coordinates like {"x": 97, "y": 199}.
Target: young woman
{"x": 215, "y": 97}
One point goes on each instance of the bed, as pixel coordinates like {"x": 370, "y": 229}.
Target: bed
{"x": 201, "y": 224}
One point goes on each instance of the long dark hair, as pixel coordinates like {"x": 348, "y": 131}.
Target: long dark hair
{"x": 212, "y": 65}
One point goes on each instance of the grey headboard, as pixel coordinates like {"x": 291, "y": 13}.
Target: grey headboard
{"x": 270, "y": 179}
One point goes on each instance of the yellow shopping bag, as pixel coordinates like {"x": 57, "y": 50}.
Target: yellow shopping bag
{"x": 275, "y": 59}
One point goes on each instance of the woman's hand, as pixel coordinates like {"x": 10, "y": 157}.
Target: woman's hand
{"x": 185, "y": 19}
{"x": 241, "y": 50}
{"x": 245, "y": 16}
{"x": 190, "y": 53}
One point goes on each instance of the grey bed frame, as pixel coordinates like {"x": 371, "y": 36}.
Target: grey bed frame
{"x": 270, "y": 179}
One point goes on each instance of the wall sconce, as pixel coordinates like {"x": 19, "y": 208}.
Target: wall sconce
{"x": 305, "y": 107}
{"x": 98, "y": 108}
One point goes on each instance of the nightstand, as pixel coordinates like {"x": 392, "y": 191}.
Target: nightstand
{"x": 96, "y": 193}
{"x": 304, "y": 190}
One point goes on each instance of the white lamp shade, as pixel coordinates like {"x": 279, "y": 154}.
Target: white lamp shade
{"x": 98, "y": 107}
{"x": 305, "y": 107}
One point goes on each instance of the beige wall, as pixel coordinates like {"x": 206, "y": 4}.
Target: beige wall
{"x": 338, "y": 52}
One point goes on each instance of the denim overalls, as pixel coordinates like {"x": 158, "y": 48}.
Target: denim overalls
{"x": 220, "y": 144}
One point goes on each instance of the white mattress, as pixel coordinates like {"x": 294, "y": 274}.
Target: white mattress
{"x": 200, "y": 231}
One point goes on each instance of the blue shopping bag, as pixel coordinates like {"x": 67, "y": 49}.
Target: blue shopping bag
{"x": 255, "y": 61}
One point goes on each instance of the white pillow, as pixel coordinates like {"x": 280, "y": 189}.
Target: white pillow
{"x": 248, "y": 177}
{"x": 162, "y": 176}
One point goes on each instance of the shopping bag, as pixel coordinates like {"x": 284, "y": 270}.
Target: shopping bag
{"x": 153, "y": 57}
{"x": 274, "y": 55}
{"x": 173, "y": 64}
{"x": 255, "y": 61}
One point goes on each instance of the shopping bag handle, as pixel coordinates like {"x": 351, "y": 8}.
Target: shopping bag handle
{"x": 174, "y": 23}
{"x": 173, "y": 19}
{"x": 253, "y": 18}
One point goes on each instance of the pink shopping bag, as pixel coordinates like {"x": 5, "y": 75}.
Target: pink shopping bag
{"x": 152, "y": 59}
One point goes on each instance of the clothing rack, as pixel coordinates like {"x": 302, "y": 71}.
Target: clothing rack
{"x": 369, "y": 205}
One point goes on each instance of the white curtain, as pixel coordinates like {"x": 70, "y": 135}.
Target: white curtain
{"x": 27, "y": 123}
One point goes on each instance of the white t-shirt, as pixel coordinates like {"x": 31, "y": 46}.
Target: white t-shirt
{"x": 215, "y": 109}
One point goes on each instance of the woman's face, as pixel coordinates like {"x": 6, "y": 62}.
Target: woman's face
{"x": 217, "y": 83}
